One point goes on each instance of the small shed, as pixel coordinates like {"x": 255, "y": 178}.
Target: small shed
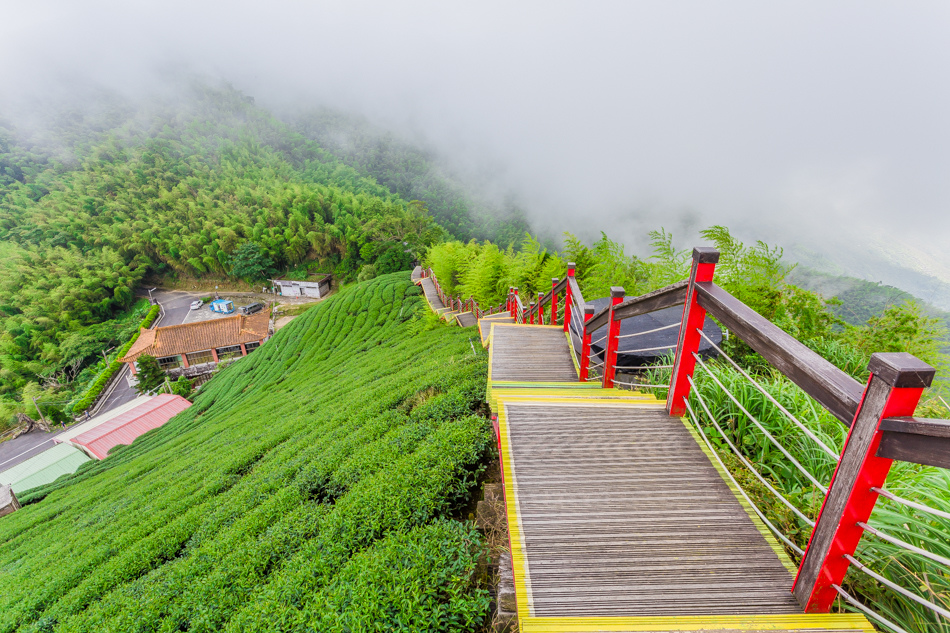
{"x": 47, "y": 467}
{"x": 8, "y": 502}
{"x": 78, "y": 429}
{"x": 316, "y": 288}
{"x": 222, "y": 306}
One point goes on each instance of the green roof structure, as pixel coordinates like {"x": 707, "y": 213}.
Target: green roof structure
{"x": 44, "y": 468}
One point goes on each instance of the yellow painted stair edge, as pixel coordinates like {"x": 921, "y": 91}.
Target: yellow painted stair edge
{"x": 805, "y": 622}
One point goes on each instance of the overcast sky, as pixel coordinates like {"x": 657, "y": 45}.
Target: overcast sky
{"x": 794, "y": 117}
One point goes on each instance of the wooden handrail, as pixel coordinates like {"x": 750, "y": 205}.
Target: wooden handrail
{"x": 834, "y": 389}
{"x": 576, "y": 294}
{"x": 917, "y": 440}
{"x": 668, "y": 297}
{"x": 546, "y": 299}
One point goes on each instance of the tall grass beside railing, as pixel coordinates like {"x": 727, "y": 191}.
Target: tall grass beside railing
{"x": 922, "y": 484}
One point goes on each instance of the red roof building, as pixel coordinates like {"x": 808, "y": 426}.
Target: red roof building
{"x": 124, "y": 428}
{"x": 201, "y": 343}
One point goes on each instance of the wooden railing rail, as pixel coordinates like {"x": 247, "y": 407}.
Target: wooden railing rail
{"x": 668, "y": 297}
{"x": 834, "y": 389}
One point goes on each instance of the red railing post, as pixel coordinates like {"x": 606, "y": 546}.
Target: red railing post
{"x": 508, "y": 300}
{"x": 704, "y": 265}
{"x": 514, "y": 302}
{"x": 531, "y": 313}
{"x": 897, "y": 380}
{"x": 568, "y": 296}
{"x": 540, "y": 309}
{"x": 585, "y": 346}
{"x": 610, "y": 345}
{"x": 554, "y": 301}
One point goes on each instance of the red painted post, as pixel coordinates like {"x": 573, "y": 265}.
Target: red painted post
{"x": 585, "y": 346}
{"x": 531, "y": 313}
{"x": 568, "y": 298}
{"x": 897, "y": 380}
{"x": 508, "y": 300}
{"x": 613, "y": 331}
{"x": 540, "y": 309}
{"x": 514, "y": 302}
{"x": 554, "y": 301}
{"x": 704, "y": 265}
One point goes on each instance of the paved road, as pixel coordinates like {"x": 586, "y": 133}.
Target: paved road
{"x": 176, "y": 308}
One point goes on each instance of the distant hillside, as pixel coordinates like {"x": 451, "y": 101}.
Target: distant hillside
{"x": 414, "y": 173}
{"x": 860, "y": 299}
{"x": 93, "y": 197}
{"x": 314, "y": 485}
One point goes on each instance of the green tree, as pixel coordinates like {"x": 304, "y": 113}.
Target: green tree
{"x": 150, "y": 376}
{"x": 248, "y": 262}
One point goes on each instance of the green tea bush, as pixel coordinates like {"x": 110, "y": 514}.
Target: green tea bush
{"x": 312, "y": 486}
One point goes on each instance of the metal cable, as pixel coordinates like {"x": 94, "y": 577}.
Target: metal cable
{"x": 595, "y": 365}
{"x": 599, "y": 340}
{"x": 765, "y": 393}
{"x": 746, "y": 462}
{"x": 772, "y": 439}
{"x": 665, "y": 327}
{"x": 911, "y": 504}
{"x": 854, "y": 603}
{"x": 712, "y": 450}
{"x": 893, "y": 540}
{"x": 640, "y": 384}
{"x": 891, "y": 585}
{"x": 647, "y": 349}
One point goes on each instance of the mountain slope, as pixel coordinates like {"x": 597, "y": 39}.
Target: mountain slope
{"x": 312, "y": 486}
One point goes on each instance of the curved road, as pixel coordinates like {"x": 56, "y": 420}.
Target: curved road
{"x": 175, "y": 305}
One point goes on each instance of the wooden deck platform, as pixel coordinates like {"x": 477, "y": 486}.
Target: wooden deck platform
{"x": 619, "y": 520}
{"x": 530, "y": 353}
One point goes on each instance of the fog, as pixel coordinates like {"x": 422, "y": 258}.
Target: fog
{"x": 822, "y": 127}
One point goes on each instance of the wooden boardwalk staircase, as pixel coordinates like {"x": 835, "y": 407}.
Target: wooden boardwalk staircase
{"x": 619, "y": 519}
{"x": 622, "y": 514}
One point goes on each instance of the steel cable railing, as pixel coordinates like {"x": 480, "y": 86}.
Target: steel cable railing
{"x": 759, "y": 513}
{"x": 775, "y": 442}
{"x": 769, "y": 396}
{"x": 746, "y": 462}
{"x": 911, "y": 504}
{"x": 893, "y": 540}
{"x": 860, "y": 607}
{"x": 659, "y": 329}
{"x": 895, "y": 587}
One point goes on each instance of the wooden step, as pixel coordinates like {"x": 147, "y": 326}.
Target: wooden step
{"x": 810, "y": 623}
{"x": 466, "y": 319}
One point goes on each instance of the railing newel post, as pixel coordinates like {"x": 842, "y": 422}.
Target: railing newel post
{"x": 585, "y": 346}
{"x": 531, "y": 313}
{"x": 540, "y": 309}
{"x": 613, "y": 331}
{"x": 554, "y": 301}
{"x": 514, "y": 302}
{"x": 893, "y": 390}
{"x": 704, "y": 265}
{"x": 568, "y": 296}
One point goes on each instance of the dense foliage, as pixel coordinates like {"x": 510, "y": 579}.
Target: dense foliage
{"x": 757, "y": 275}
{"x": 415, "y": 174}
{"x": 204, "y": 185}
{"x": 89, "y": 397}
{"x": 312, "y": 486}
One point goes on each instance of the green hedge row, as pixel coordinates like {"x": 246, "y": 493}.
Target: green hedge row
{"x": 89, "y": 398}
{"x": 316, "y": 485}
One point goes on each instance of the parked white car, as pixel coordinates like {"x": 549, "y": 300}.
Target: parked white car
{"x": 197, "y": 304}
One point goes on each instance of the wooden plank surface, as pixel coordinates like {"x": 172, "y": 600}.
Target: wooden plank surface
{"x": 432, "y": 296}
{"x": 532, "y": 353}
{"x": 619, "y": 513}
{"x": 466, "y": 319}
{"x": 416, "y": 274}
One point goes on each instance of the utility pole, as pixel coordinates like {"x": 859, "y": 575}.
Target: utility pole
{"x": 38, "y": 410}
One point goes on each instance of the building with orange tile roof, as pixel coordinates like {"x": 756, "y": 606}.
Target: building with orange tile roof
{"x": 192, "y": 345}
